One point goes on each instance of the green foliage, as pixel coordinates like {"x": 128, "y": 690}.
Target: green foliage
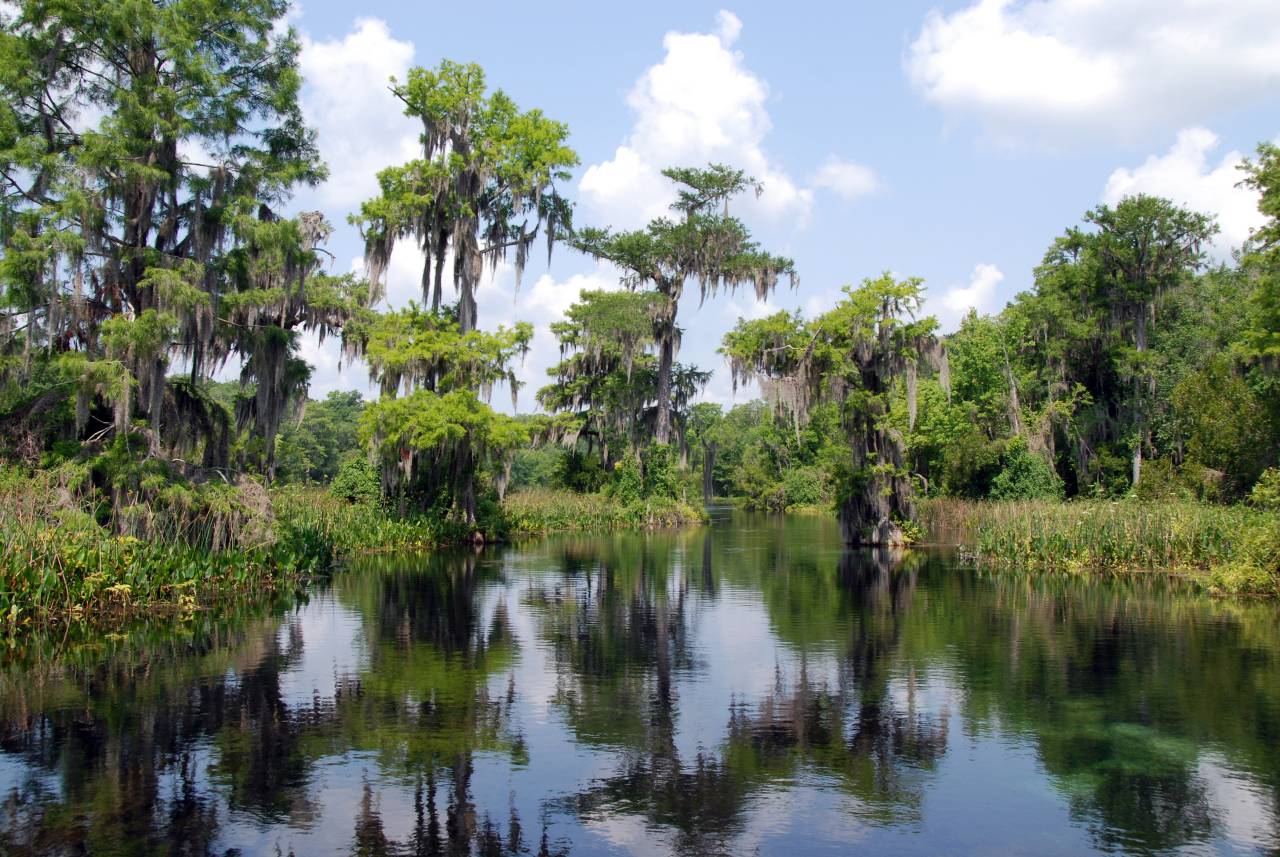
{"x": 1229, "y": 547}
{"x": 535, "y": 467}
{"x": 855, "y": 355}
{"x": 704, "y": 243}
{"x": 628, "y": 482}
{"x": 433, "y": 437}
{"x": 578, "y": 471}
{"x": 356, "y": 481}
{"x": 1223, "y": 424}
{"x": 313, "y": 448}
{"x": 807, "y": 486}
{"x": 606, "y": 387}
{"x": 1266, "y": 491}
{"x": 660, "y": 477}
{"x": 59, "y": 562}
{"x": 539, "y": 512}
{"x": 1025, "y": 476}
{"x": 118, "y": 245}
{"x": 487, "y": 170}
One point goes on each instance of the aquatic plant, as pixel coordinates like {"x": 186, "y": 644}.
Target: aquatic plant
{"x": 1230, "y": 548}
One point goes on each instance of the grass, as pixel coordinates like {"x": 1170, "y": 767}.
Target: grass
{"x": 59, "y": 564}
{"x": 354, "y": 528}
{"x": 542, "y": 511}
{"x": 57, "y": 561}
{"x": 1228, "y": 548}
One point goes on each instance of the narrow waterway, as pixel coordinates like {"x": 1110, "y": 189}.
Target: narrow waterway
{"x": 748, "y": 687}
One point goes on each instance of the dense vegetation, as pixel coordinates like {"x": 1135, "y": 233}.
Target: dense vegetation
{"x": 147, "y": 158}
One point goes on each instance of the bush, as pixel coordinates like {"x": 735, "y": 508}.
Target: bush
{"x": 661, "y": 478}
{"x": 1161, "y": 480}
{"x": 356, "y": 481}
{"x": 1025, "y": 476}
{"x": 534, "y": 467}
{"x": 1266, "y": 491}
{"x": 582, "y": 473}
{"x": 628, "y": 485}
{"x": 806, "y": 486}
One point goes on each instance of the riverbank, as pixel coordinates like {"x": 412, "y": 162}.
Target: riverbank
{"x": 1228, "y": 549}
{"x": 58, "y": 564}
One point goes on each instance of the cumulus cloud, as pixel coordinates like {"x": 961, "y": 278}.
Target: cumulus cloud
{"x": 1187, "y": 176}
{"x": 846, "y": 178}
{"x": 359, "y": 124}
{"x": 1042, "y": 69}
{"x": 699, "y": 104}
{"x": 979, "y": 294}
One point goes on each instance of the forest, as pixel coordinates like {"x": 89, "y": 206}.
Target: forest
{"x": 156, "y": 287}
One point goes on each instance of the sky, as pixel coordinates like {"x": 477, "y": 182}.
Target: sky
{"x": 948, "y": 141}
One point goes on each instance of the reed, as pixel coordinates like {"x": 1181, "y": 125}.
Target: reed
{"x": 353, "y": 528}
{"x": 56, "y": 560}
{"x": 537, "y": 512}
{"x": 1229, "y": 548}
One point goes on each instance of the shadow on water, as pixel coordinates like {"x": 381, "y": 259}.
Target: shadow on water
{"x": 670, "y": 690}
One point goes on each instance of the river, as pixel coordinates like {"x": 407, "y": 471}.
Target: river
{"x": 745, "y": 688}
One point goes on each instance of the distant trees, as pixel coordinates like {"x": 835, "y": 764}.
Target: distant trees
{"x": 1126, "y": 350}
{"x": 607, "y": 387}
{"x": 313, "y": 447}
{"x": 1135, "y": 254}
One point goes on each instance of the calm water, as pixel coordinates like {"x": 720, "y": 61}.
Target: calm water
{"x": 747, "y": 688}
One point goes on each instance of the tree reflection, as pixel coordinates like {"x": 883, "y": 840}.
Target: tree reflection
{"x": 1139, "y": 701}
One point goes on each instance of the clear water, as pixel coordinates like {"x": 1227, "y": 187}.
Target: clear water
{"x": 746, "y": 688}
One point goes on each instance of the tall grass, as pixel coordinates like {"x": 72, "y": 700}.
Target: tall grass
{"x": 536, "y": 512}
{"x": 1232, "y": 548}
{"x": 57, "y": 560}
{"x": 352, "y": 528}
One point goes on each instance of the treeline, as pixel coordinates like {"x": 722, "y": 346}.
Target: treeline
{"x": 147, "y": 156}
{"x": 1133, "y": 366}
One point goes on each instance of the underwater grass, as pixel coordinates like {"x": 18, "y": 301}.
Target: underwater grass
{"x": 1228, "y": 548}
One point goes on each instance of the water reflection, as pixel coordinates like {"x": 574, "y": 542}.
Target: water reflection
{"x": 747, "y": 687}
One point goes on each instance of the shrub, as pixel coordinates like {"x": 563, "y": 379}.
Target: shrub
{"x": 1161, "y": 480}
{"x": 661, "y": 478}
{"x": 578, "y": 472}
{"x": 806, "y": 486}
{"x": 534, "y": 467}
{"x": 1266, "y": 491}
{"x": 356, "y": 481}
{"x": 1025, "y": 476}
{"x": 628, "y": 485}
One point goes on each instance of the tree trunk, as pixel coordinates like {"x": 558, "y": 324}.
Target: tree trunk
{"x": 467, "y": 290}
{"x": 662, "y": 430}
{"x": 1139, "y": 409}
{"x": 708, "y": 470}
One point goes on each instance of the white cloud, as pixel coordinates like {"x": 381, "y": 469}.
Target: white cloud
{"x": 846, "y": 178}
{"x": 979, "y": 294}
{"x": 359, "y": 123}
{"x": 699, "y": 104}
{"x": 1051, "y": 68}
{"x": 1186, "y": 176}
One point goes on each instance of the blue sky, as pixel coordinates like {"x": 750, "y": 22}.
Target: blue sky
{"x": 951, "y": 142}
